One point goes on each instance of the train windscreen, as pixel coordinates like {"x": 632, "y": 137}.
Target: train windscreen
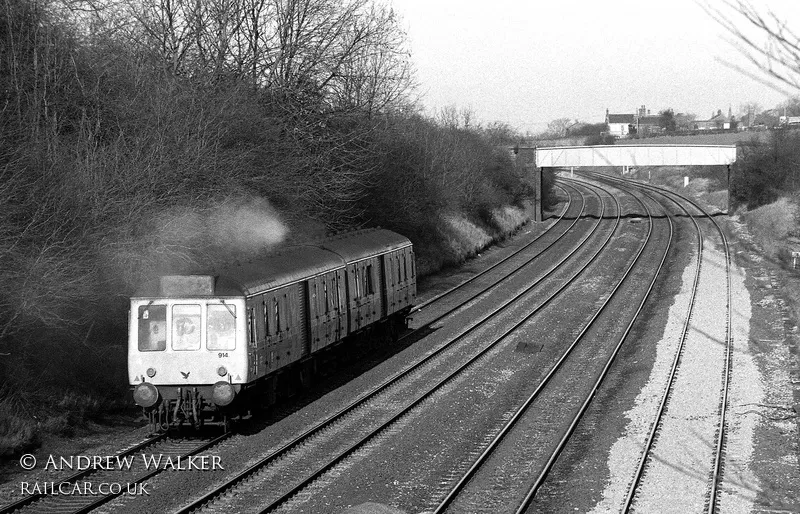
{"x": 152, "y": 328}
{"x": 186, "y": 327}
{"x": 221, "y": 331}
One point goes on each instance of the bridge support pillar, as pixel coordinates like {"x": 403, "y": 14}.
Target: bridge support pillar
{"x": 729, "y": 188}
{"x": 537, "y": 198}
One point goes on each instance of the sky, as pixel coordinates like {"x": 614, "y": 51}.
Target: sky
{"x": 528, "y": 62}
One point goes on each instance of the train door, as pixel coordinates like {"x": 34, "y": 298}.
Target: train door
{"x": 340, "y": 299}
{"x": 256, "y": 344}
{"x": 355, "y": 288}
{"x": 314, "y": 319}
{"x": 295, "y": 296}
{"x": 329, "y": 307}
{"x": 373, "y": 309}
{"x": 322, "y": 315}
{"x": 272, "y": 312}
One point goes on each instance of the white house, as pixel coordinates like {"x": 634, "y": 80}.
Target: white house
{"x": 619, "y": 124}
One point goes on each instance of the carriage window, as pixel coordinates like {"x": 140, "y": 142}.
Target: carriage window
{"x": 152, "y": 328}
{"x": 411, "y": 258}
{"x": 397, "y": 258}
{"x": 336, "y": 284}
{"x": 185, "y": 327}
{"x": 368, "y": 279}
{"x": 358, "y": 285}
{"x": 405, "y": 269}
{"x": 266, "y": 318}
{"x": 221, "y": 328}
{"x": 325, "y": 290}
{"x": 277, "y": 310}
{"x": 287, "y": 315}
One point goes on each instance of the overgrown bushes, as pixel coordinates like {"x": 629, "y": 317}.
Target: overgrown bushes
{"x": 429, "y": 175}
{"x": 766, "y": 170}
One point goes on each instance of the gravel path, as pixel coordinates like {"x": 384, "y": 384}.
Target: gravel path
{"x": 625, "y": 452}
{"x": 740, "y": 485}
{"x": 677, "y": 476}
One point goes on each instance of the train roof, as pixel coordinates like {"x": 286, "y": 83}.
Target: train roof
{"x": 363, "y": 244}
{"x": 290, "y": 265}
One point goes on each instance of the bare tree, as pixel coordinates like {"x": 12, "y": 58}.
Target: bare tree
{"x": 777, "y": 58}
{"x": 377, "y": 74}
{"x": 558, "y": 127}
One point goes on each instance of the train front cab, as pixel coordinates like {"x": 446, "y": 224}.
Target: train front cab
{"x": 187, "y": 352}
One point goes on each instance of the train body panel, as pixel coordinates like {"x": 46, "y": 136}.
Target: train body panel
{"x": 368, "y": 287}
{"x": 278, "y": 327}
{"x": 327, "y": 314}
{"x": 400, "y": 279}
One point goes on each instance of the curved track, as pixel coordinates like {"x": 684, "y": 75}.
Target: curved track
{"x": 361, "y": 437}
{"x": 543, "y": 387}
{"x": 715, "y": 473}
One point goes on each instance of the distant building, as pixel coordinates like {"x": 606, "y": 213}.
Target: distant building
{"x": 647, "y": 124}
{"x": 717, "y": 121}
{"x": 619, "y": 125}
{"x": 642, "y": 123}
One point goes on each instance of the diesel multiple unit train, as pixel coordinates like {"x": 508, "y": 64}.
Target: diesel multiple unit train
{"x": 211, "y": 345}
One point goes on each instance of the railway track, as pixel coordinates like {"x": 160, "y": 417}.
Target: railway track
{"x": 716, "y": 462}
{"x": 358, "y": 433}
{"x": 93, "y": 487}
{"x": 463, "y": 496}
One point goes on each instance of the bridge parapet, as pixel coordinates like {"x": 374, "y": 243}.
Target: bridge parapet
{"x": 635, "y": 155}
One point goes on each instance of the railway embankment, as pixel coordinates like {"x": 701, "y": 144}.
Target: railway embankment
{"x": 774, "y": 289}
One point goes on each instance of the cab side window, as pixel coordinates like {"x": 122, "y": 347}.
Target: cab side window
{"x": 221, "y": 328}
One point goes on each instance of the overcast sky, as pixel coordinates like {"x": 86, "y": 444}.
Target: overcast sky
{"x": 529, "y": 62}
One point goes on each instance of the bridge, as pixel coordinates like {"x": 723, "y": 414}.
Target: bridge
{"x": 621, "y": 156}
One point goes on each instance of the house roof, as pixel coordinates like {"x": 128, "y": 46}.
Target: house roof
{"x": 620, "y": 118}
{"x": 716, "y": 118}
{"x": 650, "y": 120}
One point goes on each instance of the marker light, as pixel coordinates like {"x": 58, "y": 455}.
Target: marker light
{"x": 221, "y": 371}
{"x": 223, "y": 394}
{"x": 145, "y": 395}
{"x": 151, "y": 372}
